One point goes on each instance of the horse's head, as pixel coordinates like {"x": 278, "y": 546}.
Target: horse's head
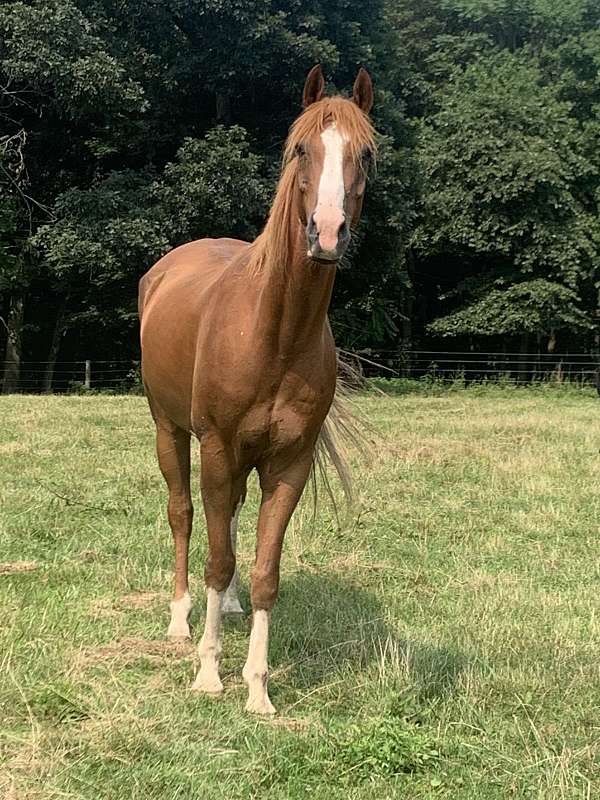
{"x": 333, "y": 142}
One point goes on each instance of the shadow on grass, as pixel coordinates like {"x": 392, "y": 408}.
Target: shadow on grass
{"x": 329, "y": 629}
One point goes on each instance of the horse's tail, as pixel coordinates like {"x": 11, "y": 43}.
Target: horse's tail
{"x": 343, "y": 431}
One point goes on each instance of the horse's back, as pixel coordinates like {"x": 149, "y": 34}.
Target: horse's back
{"x": 193, "y": 265}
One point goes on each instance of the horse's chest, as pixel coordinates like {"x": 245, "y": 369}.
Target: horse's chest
{"x": 276, "y": 430}
{"x": 283, "y": 411}
{"x": 288, "y": 421}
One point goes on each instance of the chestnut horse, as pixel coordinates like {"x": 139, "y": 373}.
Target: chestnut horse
{"x": 237, "y": 350}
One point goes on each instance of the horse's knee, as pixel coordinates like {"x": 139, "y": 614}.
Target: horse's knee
{"x": 218, "y": 572}
{"x": 264, "y": 587}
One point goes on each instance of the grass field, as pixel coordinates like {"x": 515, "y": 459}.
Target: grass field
{"x": 444, "y": 642}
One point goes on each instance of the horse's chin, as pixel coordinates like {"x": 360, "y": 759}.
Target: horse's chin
{"x": 325, "y": 262}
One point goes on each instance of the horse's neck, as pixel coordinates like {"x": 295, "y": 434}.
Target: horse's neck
{"x": 294, "y": 299}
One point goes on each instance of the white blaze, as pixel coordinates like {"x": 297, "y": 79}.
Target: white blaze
{"x": 329, "y": 212}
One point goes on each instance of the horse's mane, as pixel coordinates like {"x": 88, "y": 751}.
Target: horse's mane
{"x": 273, "y": 247}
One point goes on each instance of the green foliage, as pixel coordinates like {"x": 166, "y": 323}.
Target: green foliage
{"x": 384, "y": 748}
{"x": 502, "y": 164}
{"x": 103, "y": 231}
{"x": 536, "y": 306}
{"x": 214, "y": 188}
{"x": 505, "y": 177}
{"x": 52, "y": 48}
{"x": 107, "y": 235}
{"x": 125, "y": 131}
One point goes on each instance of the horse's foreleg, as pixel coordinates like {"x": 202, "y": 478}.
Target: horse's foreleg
{"x": 218, "y": 497}
{"x": 173, "y": 448}
{"x": 281, "y": 490}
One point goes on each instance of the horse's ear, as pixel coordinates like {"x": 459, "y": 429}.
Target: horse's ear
{"x": 362, "y": 92}
{"x": 314, "y": 86}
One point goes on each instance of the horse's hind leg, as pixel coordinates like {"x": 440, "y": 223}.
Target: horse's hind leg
{"x": 231, "y": 603}
{"x": 173, "y": 448}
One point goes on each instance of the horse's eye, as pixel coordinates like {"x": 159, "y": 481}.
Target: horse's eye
{"x": 300, "y": 149}
{"x": 366, "y": 157}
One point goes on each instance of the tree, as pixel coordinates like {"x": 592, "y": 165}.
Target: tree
{"x": 504, "y": 171}
{"x": 537, "y": 306}
{"x": 54, "y": 73}
{"x": 106, "y": 236}
{"x": 126, "y": 129}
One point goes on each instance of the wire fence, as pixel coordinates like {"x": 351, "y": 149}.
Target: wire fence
{"x": 471, "y": 366}
{"x": 79, "y": 376}
{"x": 465, "y": 366}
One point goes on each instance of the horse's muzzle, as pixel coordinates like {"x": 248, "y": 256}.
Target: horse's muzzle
{"x": 327, "y": 244}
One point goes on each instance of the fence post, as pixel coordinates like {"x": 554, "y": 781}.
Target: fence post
{"x": 88, "y": 374}
{"x": 597, "y": 345}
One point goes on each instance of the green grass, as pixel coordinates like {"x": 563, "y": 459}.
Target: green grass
{"x": 442, "y": 643}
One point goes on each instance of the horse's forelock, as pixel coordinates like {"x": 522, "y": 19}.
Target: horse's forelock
{"x": 348, "y": 119}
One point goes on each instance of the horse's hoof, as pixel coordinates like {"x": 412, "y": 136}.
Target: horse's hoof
{"x": 232, "y": 608}
{"x": 235, "y": 613}
{"x": 210, "y": 686}
{"x": 178, "y": 638}
{"x": 260, "y": 705}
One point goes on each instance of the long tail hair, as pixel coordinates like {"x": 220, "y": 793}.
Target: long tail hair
{"x": 345, "y": 430}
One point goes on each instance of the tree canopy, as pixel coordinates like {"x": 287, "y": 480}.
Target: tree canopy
{"x": 128, "y": 129}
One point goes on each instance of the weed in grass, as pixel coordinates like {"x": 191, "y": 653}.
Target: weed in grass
{"x": 383, "y": 748}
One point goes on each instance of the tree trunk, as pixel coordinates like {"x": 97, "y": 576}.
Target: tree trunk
{"x": 12, "y": 357}
{"x": 223, "y": 103}
{"x": 60, "y": 327}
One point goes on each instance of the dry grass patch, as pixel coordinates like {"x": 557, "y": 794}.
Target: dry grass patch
{"x": 106, "y": 608}
{"x": 12, "y": 567}
{"x": 142, "y": 600}
{"x": 127, "y": 651}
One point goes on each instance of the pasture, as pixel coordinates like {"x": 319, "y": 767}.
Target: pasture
{"x": 441, "y": 642}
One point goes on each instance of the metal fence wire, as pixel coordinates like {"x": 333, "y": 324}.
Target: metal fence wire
{"x": 465, "y": 366}
{"x": 80, "y": 375}
{"x": 478, "y": 366}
